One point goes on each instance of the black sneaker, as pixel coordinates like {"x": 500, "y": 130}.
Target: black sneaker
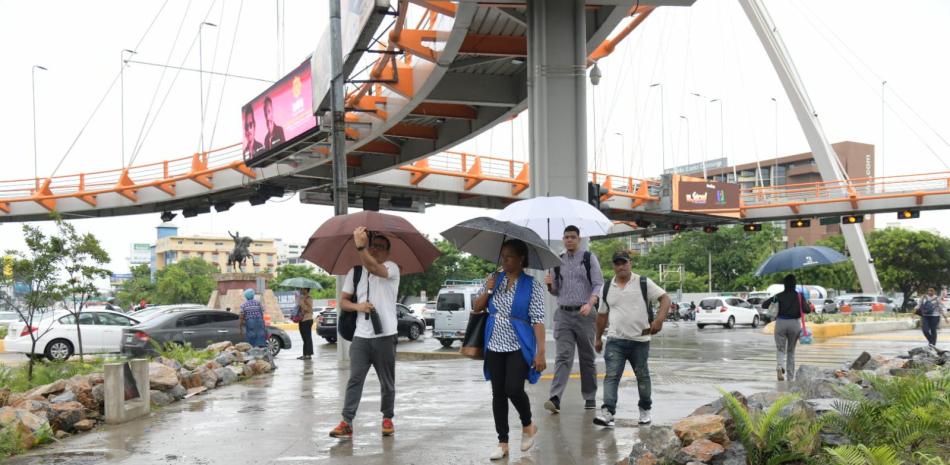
{"x": 553, "y": 405}
{"x": 590, "y": 405}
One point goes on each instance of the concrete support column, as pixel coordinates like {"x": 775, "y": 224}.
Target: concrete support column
{"x": 557, "y": 97}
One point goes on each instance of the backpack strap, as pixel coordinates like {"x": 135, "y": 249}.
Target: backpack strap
{"x": 357, "y": 274}
{"x": 646, "y": 300}
{"x": 585, "y": 261}
{"x": 606, "y": 291}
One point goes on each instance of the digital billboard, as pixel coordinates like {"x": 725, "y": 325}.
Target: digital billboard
{"x": 698, "y": 196}
{"x": 279, "y": 115}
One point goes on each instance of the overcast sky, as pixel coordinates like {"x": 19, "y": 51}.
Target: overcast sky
{"x": 843, "y": 51}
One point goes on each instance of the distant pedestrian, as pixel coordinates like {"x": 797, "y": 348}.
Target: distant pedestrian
{"x": 372, "y": 346}
{"x": 251, "y": 321}
{"x": 306, "y": 323}
{"x": 931, "y": 309}
{"x": 514, "y": 341}
{"x": 627, "y": 309}
{"x": 788, "y": 326}
{"x": 577, "y": 283}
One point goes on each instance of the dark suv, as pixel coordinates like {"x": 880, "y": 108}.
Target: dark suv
{"x": 199, "y": 328}
{"x": 408, "y": 325}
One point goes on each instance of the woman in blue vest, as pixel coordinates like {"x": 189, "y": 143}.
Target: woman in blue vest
{"x": 514, "y": 341}
{"x": 252, "y": 320}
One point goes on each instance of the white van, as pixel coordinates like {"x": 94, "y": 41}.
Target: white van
{"x": 452, "y": 307}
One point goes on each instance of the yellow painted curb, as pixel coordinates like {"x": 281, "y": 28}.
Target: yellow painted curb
{"x": 823, "y": 330}
{"x": 2, "y": 348}
{"x": 287, "y": 326}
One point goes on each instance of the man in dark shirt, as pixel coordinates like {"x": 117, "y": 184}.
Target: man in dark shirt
{"x": 275, "y": 133}
{"x": 251, "y": 145}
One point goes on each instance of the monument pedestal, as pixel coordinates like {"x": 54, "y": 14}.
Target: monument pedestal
{"x": 230, "y": 293}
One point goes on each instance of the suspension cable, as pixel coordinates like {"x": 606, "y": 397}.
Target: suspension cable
{"x": 227, "y": 68}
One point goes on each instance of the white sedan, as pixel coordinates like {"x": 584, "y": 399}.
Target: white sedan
{"x": 58, "y": 338}
{"x": 726, "y": 311}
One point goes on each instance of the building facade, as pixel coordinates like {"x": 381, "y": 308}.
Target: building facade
{"x": 172, "y": 248}
{"x": 289, "y": 254}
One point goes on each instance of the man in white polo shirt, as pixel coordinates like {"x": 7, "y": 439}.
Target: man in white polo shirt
{"x": 631, "y": 320}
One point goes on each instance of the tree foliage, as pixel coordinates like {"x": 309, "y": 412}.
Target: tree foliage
{"x": 285, "y": 272}
{"x": 452, "y": 264}
{"x": 187, "y": 281}
{"x": 139, "y": 287}
{"x": 910, "y": 261}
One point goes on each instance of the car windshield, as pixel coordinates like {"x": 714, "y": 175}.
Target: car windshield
{"x": 451, "y": 302}
{"x": 755, "y": 300}
{"x": 8, "y": 316}
{"x": 862, "y": 300}
{"x": 709, "y": 303}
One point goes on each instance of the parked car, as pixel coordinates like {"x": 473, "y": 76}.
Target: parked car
{"x": 756, "y": 302}
{"x": 452, "y": 308}
{"x": 199, "y": 327}
{"x": 843, "y": 300}
{"x": 424, "y": 310}
{"x": 869, "y": 303}
{"x": 152, "y": 312}
{"x": 407, "y": 324}
{"x": 58, "y": 338}
{"x": 7, "y": 318}
{"x": 829, "y": 306}
{"x": 726, "y": 311}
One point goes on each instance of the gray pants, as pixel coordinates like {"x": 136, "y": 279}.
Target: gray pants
{"x": 570, "y": 330}
{"x": 786, "y": 337}
{"x": 380, "y": 353}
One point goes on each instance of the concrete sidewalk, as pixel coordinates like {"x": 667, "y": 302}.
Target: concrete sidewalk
{"x": 443, "y": 409}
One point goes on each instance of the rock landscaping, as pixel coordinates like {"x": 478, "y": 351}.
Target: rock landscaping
{"x": 74, "y": 405}
{"x": 831, "y": 415}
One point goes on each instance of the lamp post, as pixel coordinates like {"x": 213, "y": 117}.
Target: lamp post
{"x": 122, "y": 65}
{"x": 775, "y": 160}
{"x": 687, "y": 139}
{"x": 722, "y": 139}
{"x": 662, "y": 125}
{"x": 702, "y": 98}
{"x": 201, "y": 84}
{"x": 36, "y": 175}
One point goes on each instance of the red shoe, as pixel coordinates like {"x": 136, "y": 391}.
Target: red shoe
{"x": 388, "y": 428}
{"x": 343, "y": 430}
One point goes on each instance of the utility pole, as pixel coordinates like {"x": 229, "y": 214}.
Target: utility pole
{"x": 709, "y": 269}
{"x": 337, "y": 143}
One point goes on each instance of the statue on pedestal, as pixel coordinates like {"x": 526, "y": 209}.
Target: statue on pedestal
{"x": 240, "y": 253}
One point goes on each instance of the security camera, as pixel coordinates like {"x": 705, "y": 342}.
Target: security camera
{"x": 595, "y": 74}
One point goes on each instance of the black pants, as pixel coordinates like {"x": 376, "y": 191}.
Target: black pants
{"x": 930, "y": 324}
{"x": 508, "y": 372}
{"x": 307, "y": 335}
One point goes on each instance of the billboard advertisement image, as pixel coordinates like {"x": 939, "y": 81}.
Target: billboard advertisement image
{"x": 279, "y": 115}
{"x": 699, "y": 196}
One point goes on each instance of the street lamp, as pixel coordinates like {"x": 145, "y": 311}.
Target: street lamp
{"x": 662, "y": 125}
{"x": 705, "y": 129}
{"x": 687, "y": 139}
{"x": 36, "y": 175}
{"x": 775, "y": 161}
{"x": 122, "y": 64}
{"x": 722, "y": 143}
{"x": 201, "y": 83}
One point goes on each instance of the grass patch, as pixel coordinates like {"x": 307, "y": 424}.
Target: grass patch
{"x": 9, "y": 442}
{"x": 45, "y": 372}
{"x": 819, "y": 318}
{"x": 181, "y": 353}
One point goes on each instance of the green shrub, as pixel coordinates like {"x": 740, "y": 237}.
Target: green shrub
{"x": 771, "y": 438}
{"x": 9, "y": 442}
{"x": 182, "y": 352}
{"x": 3, "y": 332}
{"x": 16, "y": 378}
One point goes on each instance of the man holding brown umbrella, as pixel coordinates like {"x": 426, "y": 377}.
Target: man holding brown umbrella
{"x": 374, "y": 341}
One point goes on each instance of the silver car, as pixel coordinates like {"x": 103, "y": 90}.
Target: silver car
{"x": 871, "y": 303}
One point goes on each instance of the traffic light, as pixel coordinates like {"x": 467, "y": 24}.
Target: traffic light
{"x": 800, "y": 223}
{"x": 752, "y": 227}
{"x": 852, "y": 219}
{"x": 908, "y": 214}
{"x": 709, "y": 229}
{"x": 7, "y": 266}
{"x": 593, "y": 194}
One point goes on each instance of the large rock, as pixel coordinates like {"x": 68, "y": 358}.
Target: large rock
{"x": 259, "y": 366}
{"x": 923, "y": 350}
{"x": 735, "y": 454}
{"x": 178, "y": 392}
{"x": 237, "y": 369}
{"x": 710, "y": 427}
{"x": 700, "y": 450}
{"x": 65, "y": 415}
{"x": 224, "y": 359}
{"x": 718, "y": 407}
{"x": 160, "y": 398}
{"x": 225, "y": 376}
{"x": 66, "y": 396}
{"x": 925, "y": 362}
{"x": 31, "y": 428}
{"x": 99, "y": 394}
{"x": 84, "y": 425}
{"x": 82, "y": 388}
{"x": 815, "y": 382}
{"x": 258, "y": 353}
{"x": 35, "y": 406}
{"x": 169, "y": 362}
{"x": 4, "y": 397}
{"x": 654, "y": 442}
{"x": 96, "y": 378}
{"x": 208, "y": 378}
{"x": 220, "y": 346}
{"x": 191, "y": 379}
{"x": 763, "y": 400}
{"x": 242, "y": 346}
{"x": 161, "y": 377}
{"x": 860, "y": 362}
{"x": 55, "y": 387}
{"x": 212, "y": 365}
{"x": 826, "y": 405}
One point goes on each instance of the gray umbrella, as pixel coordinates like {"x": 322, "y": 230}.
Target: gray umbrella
{"x": 483, "y": 237}
{"x": 301, "y": 282}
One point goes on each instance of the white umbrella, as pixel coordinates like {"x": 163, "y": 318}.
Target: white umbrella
{"x": 545, "y": 215}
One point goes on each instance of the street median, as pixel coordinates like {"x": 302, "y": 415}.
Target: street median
{"x": 838, "y": 329}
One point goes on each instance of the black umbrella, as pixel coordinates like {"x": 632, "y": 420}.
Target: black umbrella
{"x": 483, "y": 237}
{"x": 799, "y": 257}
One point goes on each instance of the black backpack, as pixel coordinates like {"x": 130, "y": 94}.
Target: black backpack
{"x": 346, "y": 321}
{"x": 643, "y": 291}
{"x": 585, "y": 260}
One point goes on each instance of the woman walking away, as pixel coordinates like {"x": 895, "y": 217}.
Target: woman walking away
{"x": 306, "y": 323}
{"x": 252, "y": 321}
{"x": 930, "y": 310}
{"x": 788, "y": 326}
{"x": 514, "y": 341}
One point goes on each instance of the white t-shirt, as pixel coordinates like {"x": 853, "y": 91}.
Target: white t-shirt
{"x": 383, "y": 293}
{"x": 628, "y": 313}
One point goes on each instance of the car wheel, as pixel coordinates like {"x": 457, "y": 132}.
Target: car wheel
{"x": 414, "y": 332}
{"x": 755, "y": 321}
{"x": 700, "y": 326}
{"x": 446, "y": 342}
{"x": 59, "y": 350}
{"x": 273, "y": 345}
{"x": 331, "y": 340}
{"x": 731, "y": 323}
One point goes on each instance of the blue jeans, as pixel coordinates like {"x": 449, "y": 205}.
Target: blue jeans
{"x": 616, "y": 355}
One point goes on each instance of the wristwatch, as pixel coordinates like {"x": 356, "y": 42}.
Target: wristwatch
{"x": 360, "y": 249}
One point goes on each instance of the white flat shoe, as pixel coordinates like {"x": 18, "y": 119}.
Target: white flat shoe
{"x": 499, "y": 453}
{"x": 527, "y": 441}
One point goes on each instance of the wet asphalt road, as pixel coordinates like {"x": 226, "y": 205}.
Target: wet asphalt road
{"x": 443, "y": 408}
